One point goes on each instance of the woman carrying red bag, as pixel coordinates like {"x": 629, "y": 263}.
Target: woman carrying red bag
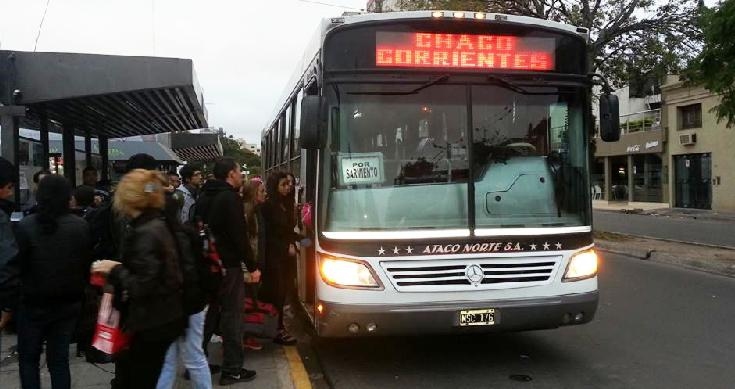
{"x": 147, "y": 281}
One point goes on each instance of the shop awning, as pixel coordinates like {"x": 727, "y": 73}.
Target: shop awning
{"x": 114, "y": 96}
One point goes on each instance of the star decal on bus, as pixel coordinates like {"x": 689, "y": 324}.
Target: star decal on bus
{"x": 546, "y": 245}
{"x": 558, "y": 246}
{"x": 396, "y": 250}
{"x": 381, "y": 251}
{"x": 409, "y": 249}
{"x": 533, "y": 247}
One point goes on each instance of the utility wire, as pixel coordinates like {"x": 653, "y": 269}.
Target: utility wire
{"x": 40, "y": 26}
{"x": 330, "y": 5}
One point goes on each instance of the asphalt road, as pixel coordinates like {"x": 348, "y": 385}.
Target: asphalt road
{"x": 714, "y": 232}
{"x": 657, "y": 326}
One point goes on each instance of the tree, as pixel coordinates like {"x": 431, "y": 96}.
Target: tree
{"x": 232, "y": 149}
{"x": 714, "y": 68}
{"x": 639, "y": 39}
{"x": 464, "y": 5}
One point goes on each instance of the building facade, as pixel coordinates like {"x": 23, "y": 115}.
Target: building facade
{"x": 634, "y": 168}
{"x": 383, "y": 5}
{"x": 700, "y": 149}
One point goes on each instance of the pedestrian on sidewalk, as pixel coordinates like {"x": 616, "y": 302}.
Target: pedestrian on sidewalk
{"x": 147, "y": 280}
{"x": 8, "y": 246}
{"x": 196, "y": 291}
{"x": 188, "y": 192}
{"x": 220, "y": 208}
{"x": 280, "y": 249}
{"x": 253, "y": 197}
{"x": 52, "y": 264}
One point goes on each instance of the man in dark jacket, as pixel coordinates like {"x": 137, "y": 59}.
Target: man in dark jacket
{"x": 221, "y": 208}
{"x": 8, "y": 246}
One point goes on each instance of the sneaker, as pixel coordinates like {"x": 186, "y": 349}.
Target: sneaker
{"x": 284, "y": 338}
{"x": 252, "y": 344}
{"x": 243, "y": 376}
{"x": 213, "y": 369}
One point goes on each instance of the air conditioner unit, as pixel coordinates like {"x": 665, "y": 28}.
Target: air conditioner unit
{"x": 687, "y": 139}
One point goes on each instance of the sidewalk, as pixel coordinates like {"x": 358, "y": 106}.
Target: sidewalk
{"x": 605, "y": 205}
{"x": 271, "y": 363}
{"x": 661, "y": 209}
{"x": 719, "y": 261}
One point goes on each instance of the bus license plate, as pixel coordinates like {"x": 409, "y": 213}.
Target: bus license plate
{"x": 477, "y": 317}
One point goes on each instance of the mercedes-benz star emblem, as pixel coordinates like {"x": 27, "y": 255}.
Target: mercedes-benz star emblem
{"x": 474, "y": 274}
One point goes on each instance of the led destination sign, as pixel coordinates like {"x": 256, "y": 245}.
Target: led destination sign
{"x": 408, "y": 49}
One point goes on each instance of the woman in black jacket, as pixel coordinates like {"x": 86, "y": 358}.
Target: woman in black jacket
{"x": 280, "y": 248}
{"x": 148, "y": 281}
{"x": 52, "y": 264}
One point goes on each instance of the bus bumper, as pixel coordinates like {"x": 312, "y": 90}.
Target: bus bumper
{"x": 437, "y": 318}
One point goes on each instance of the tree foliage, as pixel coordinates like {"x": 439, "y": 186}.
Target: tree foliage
{"x": 630, "y": 40}
{"x": 232, "y": 149}
{"x": 714, "y": 68}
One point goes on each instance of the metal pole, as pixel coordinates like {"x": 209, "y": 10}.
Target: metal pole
{"x": 44, "y": 142}
{"x": 631, "y": 188}
{"x": 88, "y": 147}
{"x": 70, "y": 157}
{"x": 10, "y": 138}
{"x": 103, "y": 143}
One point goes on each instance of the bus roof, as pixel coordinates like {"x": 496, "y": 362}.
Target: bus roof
{"x": 327, "y": 24}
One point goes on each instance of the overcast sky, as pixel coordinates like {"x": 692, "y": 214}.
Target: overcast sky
{"x": 244, "y": 51}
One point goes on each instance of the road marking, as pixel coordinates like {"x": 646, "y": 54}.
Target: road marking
{"x": 299, "y": 376}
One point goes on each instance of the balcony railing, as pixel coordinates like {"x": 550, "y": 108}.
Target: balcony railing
{"x": 640, "y": 121}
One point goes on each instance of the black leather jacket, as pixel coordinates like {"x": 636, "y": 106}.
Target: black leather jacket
{"x": 148, "y": 284}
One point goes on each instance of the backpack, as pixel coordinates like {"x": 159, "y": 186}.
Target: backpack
{"x": 195, "y": 288}
{"x": 210, "y": 257}
{"x": 207, "y": 243}
{"x": 107, "y": 229}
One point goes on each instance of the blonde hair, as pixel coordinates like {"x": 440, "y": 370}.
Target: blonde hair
{"x": 138, "y": 190}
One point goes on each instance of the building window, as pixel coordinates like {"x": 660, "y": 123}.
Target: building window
{"x": 690, "y": 116}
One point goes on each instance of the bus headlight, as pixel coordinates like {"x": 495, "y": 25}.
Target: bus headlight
{"x": 581, "y": 266}
{"x": 347, "y": 273}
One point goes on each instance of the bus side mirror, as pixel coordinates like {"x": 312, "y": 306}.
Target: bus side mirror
{"x": 609, "y": 118}
{"x": 311, "y": 121}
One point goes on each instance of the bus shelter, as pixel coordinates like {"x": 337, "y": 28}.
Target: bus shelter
{"x": 90, "y": 95}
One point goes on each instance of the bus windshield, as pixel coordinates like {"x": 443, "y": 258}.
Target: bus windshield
{"x": 400, "y": 157}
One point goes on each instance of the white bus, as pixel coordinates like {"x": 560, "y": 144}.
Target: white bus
{"x": 446, "y": 158}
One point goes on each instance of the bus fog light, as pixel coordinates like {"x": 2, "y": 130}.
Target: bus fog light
{"x": 347, "y": 273}
{"x": 581, "y": 266}
{"x": 578, "y": 317}
{"x": 371, "y": 327}
{"x": 353, "y": 328}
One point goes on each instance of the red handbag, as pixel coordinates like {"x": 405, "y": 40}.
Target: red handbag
{"x": 109, "y": 338}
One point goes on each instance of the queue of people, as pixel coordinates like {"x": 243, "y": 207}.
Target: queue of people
{"x": 180, "y": 257}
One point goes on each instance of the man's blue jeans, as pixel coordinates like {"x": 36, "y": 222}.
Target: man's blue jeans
{"x": 189, "y": 347}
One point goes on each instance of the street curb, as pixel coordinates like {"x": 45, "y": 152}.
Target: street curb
{"x": 299, "y": 376}
{"x": 714, "y": 246}
{"x": 682, "y": 263}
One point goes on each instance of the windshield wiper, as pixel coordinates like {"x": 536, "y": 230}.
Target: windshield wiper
{"x": 507, "y": 84}
{"x": 429, "y": 83}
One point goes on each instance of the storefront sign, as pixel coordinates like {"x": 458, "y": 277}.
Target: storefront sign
{"x": 640, "y": 142}
{"x": 633, "y": 149}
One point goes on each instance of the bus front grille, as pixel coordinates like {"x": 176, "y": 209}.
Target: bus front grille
{"x": 452, "y": 274}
